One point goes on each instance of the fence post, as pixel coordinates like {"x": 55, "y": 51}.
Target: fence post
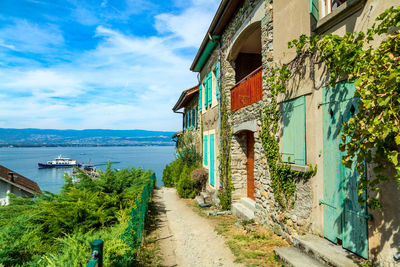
{"x": 97, "y": 252}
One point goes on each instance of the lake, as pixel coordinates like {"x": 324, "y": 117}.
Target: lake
{"x": 24, "y": 161}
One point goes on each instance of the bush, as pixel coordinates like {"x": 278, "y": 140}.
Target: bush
{"x": 200, "y": 177}
{"x": 172, "y": 173}
{"x": 56, "y": 229}
{"x": 186, "y": 186}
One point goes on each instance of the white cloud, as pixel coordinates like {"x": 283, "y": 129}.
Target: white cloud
{"x": 125, "y": 82}
{"x": 25, "y": 36}
{"x": 44, "y": 83}
{"x": 191, "y": 25}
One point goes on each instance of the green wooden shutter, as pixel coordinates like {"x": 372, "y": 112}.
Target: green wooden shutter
{"x": 192, "y": 116}
{"x": 195, "y": 118}
{"x": 294, "y": 131}
{"x": 187, "y": 120}
{"x": 190, "y": 119}
{"x": 184, "y": 121}
{"x": 314, "y": 9}
{"x": 200, "y": 96}
{"x": 212, "y": 163}
{"x": 209, "y": 88}
{"x": 217, "y": 78}
{"x": 205, "y": 150}
{"x": 205, "y": 93}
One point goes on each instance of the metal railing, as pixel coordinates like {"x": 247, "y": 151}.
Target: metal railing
{"x": 133, "y": 235}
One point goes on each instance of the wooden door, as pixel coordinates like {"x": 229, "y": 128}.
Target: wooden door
{"x": 355, "y": 228}
{"x": 344, "y": 218}
{"x": 250, "y": 165}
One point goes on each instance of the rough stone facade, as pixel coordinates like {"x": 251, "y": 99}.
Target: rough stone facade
{"x": 268, "y": 211}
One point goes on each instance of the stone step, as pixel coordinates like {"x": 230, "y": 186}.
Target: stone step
{"x": 248, "y": 203}
{"x": 293, "y": 257}
{"x": 206, "y": 196}
{"x": 242, "y": 212}
{"x": 199, "y": 200}
{"x": 325, "y": 251}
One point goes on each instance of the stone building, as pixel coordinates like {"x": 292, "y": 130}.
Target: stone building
{"x": 12, "y": 182}
{"x": 188, "y": 101}
{"x": 245, "y": 39}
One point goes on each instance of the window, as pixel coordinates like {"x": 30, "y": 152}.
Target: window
{"x": 327, "y": 6}
{"x": 200, "y": 96}
{"x": 294, "y": 131}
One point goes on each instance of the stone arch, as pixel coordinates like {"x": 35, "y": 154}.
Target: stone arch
{"x": 245, "y": 51}
{"x": 243, "y": 40}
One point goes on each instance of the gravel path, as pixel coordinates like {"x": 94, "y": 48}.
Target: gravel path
{"x": 186, "y": 239}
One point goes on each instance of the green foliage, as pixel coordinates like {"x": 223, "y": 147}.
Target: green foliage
{"x": 283, "y": 179}
{"x": 225, "y": 196}
{"x": 186, "y": 187}
{"x": 186, "y": 149}
{"x": 373, "y": 134}
{"x": 172, "y": 172}
{"x": 56, "y": 229}
{"x": 177, "y": 173}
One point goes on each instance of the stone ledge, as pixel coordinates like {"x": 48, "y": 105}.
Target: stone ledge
{"x": 341, "y": 13}
{"x": 247, "y": 125}
{"x": 299, "y": 168}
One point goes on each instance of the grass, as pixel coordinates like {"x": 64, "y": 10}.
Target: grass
{"x": 250, "y": 243}
{"x": 149, "y": 254}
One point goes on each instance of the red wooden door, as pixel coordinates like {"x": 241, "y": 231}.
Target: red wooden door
{"x": 250, "y": 165}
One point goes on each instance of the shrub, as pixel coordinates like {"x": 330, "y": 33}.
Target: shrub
{"x": 56, "y": 229}
{"x": 186, "y": 186}
{"x": 200, "y": 177}
{"x": 167, "y": 178}
{"x": 172, "y": 173}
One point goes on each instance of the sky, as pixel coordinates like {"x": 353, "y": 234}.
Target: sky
{"x": 98, "y": 64}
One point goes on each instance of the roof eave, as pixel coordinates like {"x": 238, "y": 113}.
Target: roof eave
{"x": 20, "y": 186}
{"x": 217, "y": 25}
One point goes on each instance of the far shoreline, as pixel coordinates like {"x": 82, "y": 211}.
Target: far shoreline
{"x": 80, "y": 145}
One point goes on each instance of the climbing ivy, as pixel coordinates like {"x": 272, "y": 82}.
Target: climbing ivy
{"x": 225, "y": 157}
{"x": 283, "y": 179}
{"x": 373, "y": 134}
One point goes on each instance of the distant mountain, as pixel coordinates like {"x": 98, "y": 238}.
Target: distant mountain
{"x": 95, "y": 137}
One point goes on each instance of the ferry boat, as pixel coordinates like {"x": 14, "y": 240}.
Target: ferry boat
{"x": 60, "y": 162}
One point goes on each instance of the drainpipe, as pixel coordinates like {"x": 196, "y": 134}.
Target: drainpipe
{"x": 219, "y": 108}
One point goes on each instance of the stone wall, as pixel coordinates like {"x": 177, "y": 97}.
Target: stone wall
{"x": 268, "y": 211}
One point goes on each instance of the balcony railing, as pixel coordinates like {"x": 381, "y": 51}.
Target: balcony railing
{"x": 247, "y": 91}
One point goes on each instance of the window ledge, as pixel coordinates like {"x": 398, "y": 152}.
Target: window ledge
{"x": 342, "y": 12}
{"x": 299, "y": 168}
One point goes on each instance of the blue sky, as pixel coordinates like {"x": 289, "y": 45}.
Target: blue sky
{"x": 89, "y": 64}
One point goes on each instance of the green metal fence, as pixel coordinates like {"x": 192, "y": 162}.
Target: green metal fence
{"x": 133, "y": 234}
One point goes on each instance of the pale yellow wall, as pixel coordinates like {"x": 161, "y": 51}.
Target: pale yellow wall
{"x": 291, "y": 19}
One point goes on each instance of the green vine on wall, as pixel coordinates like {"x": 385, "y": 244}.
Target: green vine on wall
{"x": 225, "y": 157}
{"x": 283, "y": 179}
{"x": 373, "y": 134}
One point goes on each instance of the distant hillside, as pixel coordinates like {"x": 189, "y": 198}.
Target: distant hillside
{"x": 49, "y": 137}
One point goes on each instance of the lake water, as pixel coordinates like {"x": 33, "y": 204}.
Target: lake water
{"x": 24, "y": 161}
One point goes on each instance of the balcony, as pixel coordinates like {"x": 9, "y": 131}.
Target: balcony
{"x": 247, "y": 91}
